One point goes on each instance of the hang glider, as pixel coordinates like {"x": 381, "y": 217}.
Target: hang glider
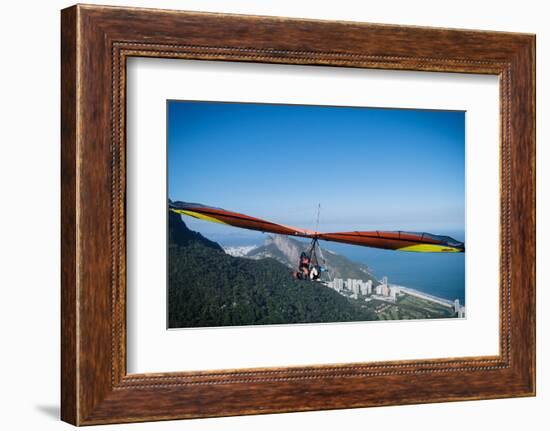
{"x": 390, "y": 240}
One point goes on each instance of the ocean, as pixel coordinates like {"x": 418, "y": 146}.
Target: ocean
{"x": 439, "y": 274}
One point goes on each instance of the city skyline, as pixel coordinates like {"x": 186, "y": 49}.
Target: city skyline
{"x": 387, "y": 292}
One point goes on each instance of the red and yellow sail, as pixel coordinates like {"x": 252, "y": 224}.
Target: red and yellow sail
{"x": 390, "y": 240}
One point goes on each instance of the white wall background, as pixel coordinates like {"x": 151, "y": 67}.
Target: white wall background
{"x": 29, "y": 219}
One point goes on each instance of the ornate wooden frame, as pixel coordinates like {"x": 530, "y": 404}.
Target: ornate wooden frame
{"x": 95, "y": 42}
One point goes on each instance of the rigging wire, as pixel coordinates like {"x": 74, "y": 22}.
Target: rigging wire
{"x": 318, "y": 215}
{"x": 315, "y": 244}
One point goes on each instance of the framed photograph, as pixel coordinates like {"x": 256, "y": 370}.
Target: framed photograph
{"x": 263, "y": 214}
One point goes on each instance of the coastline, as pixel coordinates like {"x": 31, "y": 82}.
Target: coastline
{"x": 423, "y": 295}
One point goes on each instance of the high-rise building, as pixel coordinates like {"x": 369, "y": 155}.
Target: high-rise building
{"x": 338, "y": 284}
{"x": 369, "y": 287}
{"x": 457, "y": 305}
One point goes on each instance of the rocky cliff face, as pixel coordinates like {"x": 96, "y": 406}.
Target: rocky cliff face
{"x": 287, "y": 251}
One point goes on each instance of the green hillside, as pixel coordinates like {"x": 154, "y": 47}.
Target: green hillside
{"x": 210, "y": 288}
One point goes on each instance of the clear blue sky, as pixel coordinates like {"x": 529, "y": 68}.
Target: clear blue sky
{"x": 368, "y": 168}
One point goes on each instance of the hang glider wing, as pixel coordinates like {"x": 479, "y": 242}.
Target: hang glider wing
{"x": 397, "y": 240}
{"x": 219, "y": 215}
{"x": 390, "y": 240}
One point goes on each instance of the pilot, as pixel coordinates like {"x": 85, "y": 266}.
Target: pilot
{"x": 303, "y": 267}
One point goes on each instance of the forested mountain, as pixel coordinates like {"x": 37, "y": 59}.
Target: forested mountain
{"x": 208, "y": 287}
